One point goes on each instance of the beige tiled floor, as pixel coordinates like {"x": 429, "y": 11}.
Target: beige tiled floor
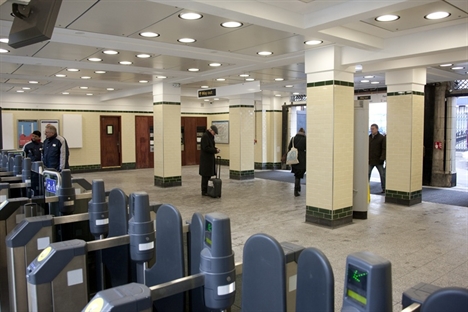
{"x": 425, "y": 243}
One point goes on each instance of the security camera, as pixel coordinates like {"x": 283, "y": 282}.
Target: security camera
{"x": 211, "y": 102}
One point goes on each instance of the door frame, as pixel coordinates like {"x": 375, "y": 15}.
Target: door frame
{"x": 119, "y": 129}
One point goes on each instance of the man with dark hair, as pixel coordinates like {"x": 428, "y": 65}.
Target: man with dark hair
{"x": 208, "y": 150}
{"x": 377, "y": 151}
{"x": 55, "y": 150}
{"x": 33, "y": 149}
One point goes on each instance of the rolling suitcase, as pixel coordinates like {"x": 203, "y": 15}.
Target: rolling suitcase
{"x": 215, "y": 184}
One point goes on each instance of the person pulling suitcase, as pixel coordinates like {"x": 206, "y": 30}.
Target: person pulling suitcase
{"x": 208, "y": 150}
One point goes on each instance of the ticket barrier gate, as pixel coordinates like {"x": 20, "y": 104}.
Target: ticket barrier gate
{"x": 8, "y": 162}
{"x": 58, "y": 280}
{"x": 430, "y": 298}
{"x": 34, "y": 234}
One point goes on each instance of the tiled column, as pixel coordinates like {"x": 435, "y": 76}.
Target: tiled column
{"x": 241, "y": 137}
{"x": 405, "y": 128}
{"x": 330, "y": 139}
{"x": 166, "y": 120}
{"x": 268, "y": 133}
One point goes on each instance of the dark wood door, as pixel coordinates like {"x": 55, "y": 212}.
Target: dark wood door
{"x": 144, "y": 142}
{"x": 111, "y": 155}
{"x": 193, "y": 128}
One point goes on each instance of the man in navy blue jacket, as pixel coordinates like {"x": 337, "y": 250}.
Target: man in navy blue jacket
{"x": 55, "y": 150}
{"x": 33, "y": 149}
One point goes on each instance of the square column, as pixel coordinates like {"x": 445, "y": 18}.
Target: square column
{"x": 167, "y": 141}
{"x": 330, "y": 139}
{"x": 241, "y": 137}
{"x": 405, "y": 129}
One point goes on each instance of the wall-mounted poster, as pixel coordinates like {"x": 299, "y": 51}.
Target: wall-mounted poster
{"x": 45, "y": 122}
{"x": 223, "y": 131}
{"x": 25, "y": 128}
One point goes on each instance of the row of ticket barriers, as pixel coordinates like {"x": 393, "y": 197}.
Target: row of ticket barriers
{"x": 123, "y": 253}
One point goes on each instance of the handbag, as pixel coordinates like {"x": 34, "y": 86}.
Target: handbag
{"x": 291, "y": 157}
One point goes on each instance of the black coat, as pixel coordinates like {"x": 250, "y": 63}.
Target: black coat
{"x": 377, "y": 149}
{"x": 55, "y": 153}
{"x": 33, "y": 150}
{"x": 207, "y": 155}
{"x": 300, "y": 143}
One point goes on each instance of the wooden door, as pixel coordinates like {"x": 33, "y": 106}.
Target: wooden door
{"x": 111, "y": 152}
{"x": 193, "y": 128}
{"x": 144, "y": 142}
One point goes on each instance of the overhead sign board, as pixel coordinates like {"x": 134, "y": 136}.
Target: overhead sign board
{"x": 206, "y": 93}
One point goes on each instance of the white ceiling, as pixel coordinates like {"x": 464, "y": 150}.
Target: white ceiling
{"x": 87, "y": 27}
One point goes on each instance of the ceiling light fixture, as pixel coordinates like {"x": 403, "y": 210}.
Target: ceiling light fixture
{"x": 85, "y": 77}
{"x": 161, "y": 77}
{"x": 4, "y": 51}
{"x": 143, "y": 55}
{"x": 110, "y": 52}
{"x": 277, "y": 94}
{"x": 375, "y": 82}
{"x": 457, "y": 67}
{"x": 365, "y": 81}
{"x": 34, "y": 82}
{"x": 215, "y": 64}
{"x": 220, "y": 79}
{"x": 249, "y": 79}
{"x": 193, "y": 69}
{"x": 446, "y": 65}
{"x": 60, "y": 75}
{"x": 264, "y": 53}
{"x": 26, "y": 88}
{"x": 84, "y": 88}
{"x": 110, "y": 89}
{"x": 190, "y": 16}
{"x": 288, "y": 86}
{"x": 95, "y": 59}
{"x": 279, "y": 79}
{"x": 125, "y": 63}
{"x": 65, "y": 93}
{"x": 149, "y": 34}
{"x": 216, "y": 99}
{"x": 369, "y": 77}
{"x": 89, "y": 94}
{"x": 99, "y": 71}
{"x": 73, "y": 70}
{"x": 143, "y": 81}
{"x": 313, "y": 42}
{"x": 186, "y": 40}
{"x": 231, "y": 24}
{"x": 387, "y": 18}
{"x": 437, "y": 15}
{"x": 204, "y": 87}
{"x": 4, "y": 40}
{"x": 244, "y": 75}
{"x": 20, "y": 91}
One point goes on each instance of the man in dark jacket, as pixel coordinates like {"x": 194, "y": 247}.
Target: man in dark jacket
{"x": 208, "y": 150}
{"x": 33, "y": 149}
{"x": 377, "y": 151}
{"x": 299, "y": 169}
{"x": 55, "y": 150}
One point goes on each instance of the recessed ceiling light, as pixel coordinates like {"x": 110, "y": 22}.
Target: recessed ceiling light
{"x": 20, "y": 91}
{"x": 364, "y": 81}
{"x": 110, "y": 52}
{"x": 216, "y": 99}
{"x": 264, "y": 53}
{"x": 220, "y": 79}
{"x": 26, "y": 88}
{"x": 313, "y": 42}
{"x": 215, "y": 64}
{"x": 437, "y": 15}
{"x": 99, "y": 71}
{"x": 231, "y": 24}
{"x": 375, "y": 82}
{"x": 4, "y": 51}
{"x": 277, "y": 94}
{"x": 143, "y": 55}
{"x": 149, "y": 34}
{"x": 457, "y": 67}
{"x": 89, "y": 94}
{"x": 206, "y": 100}
{"x": 110, "y": 89}
{"x": 446, "y": 65}
{"x": 279, "y": 79}
{"x": 161, "y": 77}
{"x": 190, "y": 16}
{"x": 34, "y": 82}
{"x": 288, "y": 86}
{"x": 204, "y": 87}
{"x": 249, "y": 79}
{"x": 244, "y": 75}
{"x": 368, "y": 77}
{"x": 65, "y": 93}
{"x": 143, "y": 81}
{"x": 296, "y": 93}
{"x": 4, "y": 40}
{"x": 186, "y": 40}
{"x": 387, "y": 18}
{"x": 61, "y": 75}
{"x": 85, "y": 77}
{"x": 73, "y": 70}
{"x": 125, "y": 63}
{"x": 94, "y": 59}
{"x": 193, "y": 69}
{"x": 84, "y": 88}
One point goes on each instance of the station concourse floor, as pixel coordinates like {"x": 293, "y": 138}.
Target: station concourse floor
{"x": 427, "y": 242}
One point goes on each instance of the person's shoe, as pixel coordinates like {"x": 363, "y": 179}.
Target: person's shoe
{"x": 204, "y": 194}
{"x": 383, "y": 192}
{"x": 296, "y": 193}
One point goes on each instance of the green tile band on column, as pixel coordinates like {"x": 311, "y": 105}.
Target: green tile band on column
{"x": 167, "y": 181}
{"x": 166, "y": 103}
{"x": 329, "y": 218}
{"x": 330, "y": 83}
{"x": 98, "y": 167}
{"x": 405, "y": 93}
{"x": 403, "y": 198}
{"x": 267, "y": 165}
{"x": 241, "y": 175}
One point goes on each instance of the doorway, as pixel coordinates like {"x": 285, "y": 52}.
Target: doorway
{"x": 192, "y": 129}
{"x": 144, "y": 142}
{"x": 111, "y": 155}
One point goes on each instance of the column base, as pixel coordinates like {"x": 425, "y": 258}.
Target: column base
{"x": 167, "y": 181}
{"x": 403, "y": 198}
{"x": 271, "y": 166}
{"x": 444, "y": 179}
{"x": 329, "y": 218}
{"x": 362, "y": 215}
{"x": 241, "y": 175}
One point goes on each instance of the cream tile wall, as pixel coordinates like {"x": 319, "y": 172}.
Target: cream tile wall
{"x": 261, "y": 147}
{"x": 241, "y": 129}
{"x": 274, "y": 135}
{"x": 167, "y": 139}
{"x": 417, "y": 142}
